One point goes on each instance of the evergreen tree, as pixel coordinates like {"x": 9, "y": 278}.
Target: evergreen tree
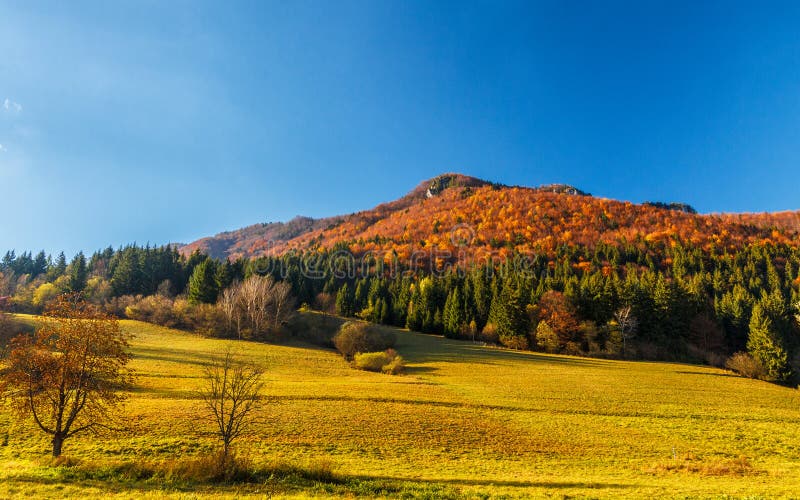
{"x": 39, "y": 264}
{"x": 58, "y": 268}
{"x": 78, "y": 273}
{"x": 508, "y": 315}
{"x": 126, "y": 277}
{"x": 202, "y": 284}
{"x": 453, "y": 314}
{"x": 344, "y": 301}
{"x": 766, "y": 344}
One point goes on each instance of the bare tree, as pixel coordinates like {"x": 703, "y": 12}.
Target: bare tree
{"x": 230, "y": 303}
{"x": 230, "y": 397}
{"x": 628, "y": 325}
{"x": 254, "y": 293}
{"x": 68, "y": 374}
{"x": 280, "y": 302}
{"x": 264, "y": 302}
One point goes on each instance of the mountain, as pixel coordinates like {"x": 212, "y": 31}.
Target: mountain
{"x": 454, "y": 212}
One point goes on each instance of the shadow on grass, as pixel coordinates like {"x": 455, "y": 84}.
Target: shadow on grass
{"x": 501, "y": 482}
{"x": 288, "y": 479}
{"x": 424, "y": 348}
{"x": 687, "y": 372}
{"x": 177, "y": 357}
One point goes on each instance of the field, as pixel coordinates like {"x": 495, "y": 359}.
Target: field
{"x": 464, "y": 421}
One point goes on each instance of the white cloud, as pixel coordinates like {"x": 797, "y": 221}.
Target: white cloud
{"x": 2, "y": 149}
{"x": 12, "y": 106}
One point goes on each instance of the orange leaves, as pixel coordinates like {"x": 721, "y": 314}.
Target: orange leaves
{"x": 505, "y": 220}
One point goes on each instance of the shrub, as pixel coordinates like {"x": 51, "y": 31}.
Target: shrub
{"x": 154, "y": 309}
{"x": 315, "y": 328}
{"x": 370, "y": 361}
{"x": 388, "y": 362}
{"x": 515, "y": 342}
{"x": 210, "y": 468}
{"x": 746, "y": 365}
{"x": 546, "y": 338}
{"x": 573, "y": 349}
{"x": 354, "y": 337}
{"x": 206, "y": 319}
{"x": 395, "y": 367}
{"x": 489, "y": 334}
{"x": 118, "y": 305}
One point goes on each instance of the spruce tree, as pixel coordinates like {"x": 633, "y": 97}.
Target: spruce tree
{"x": 766, "y": 344}
{"x": 78, "y": 273}
{"x": 508, "y": 315}
{"x": 58, "y": 268}
{"x": 454, "y": 315}
{"x": 344, "y": 301}
{"x": 202, "y": 284}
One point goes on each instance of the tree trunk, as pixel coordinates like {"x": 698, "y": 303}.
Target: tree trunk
{"x": 58, "y": 442}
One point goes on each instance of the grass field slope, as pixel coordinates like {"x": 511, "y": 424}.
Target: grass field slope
{"x": 464, "y": 421}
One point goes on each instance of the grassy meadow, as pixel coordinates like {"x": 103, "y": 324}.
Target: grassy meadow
{"x": 464, "y": 421}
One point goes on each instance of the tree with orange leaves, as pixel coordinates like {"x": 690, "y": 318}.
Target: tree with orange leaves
{"x": 67, "y": 375}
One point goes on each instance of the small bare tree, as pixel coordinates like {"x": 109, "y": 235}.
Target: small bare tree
{"x": 628, "y": 325}
{"x": 230, "y": 398}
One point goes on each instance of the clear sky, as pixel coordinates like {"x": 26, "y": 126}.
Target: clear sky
{"x": 167, "y": 121}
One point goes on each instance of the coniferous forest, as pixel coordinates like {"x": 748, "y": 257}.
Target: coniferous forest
{"x": 643, "y": 300}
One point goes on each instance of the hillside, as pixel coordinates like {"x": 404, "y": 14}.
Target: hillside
{"x": 465, "y": 422}
{"x": 491, "y": 218}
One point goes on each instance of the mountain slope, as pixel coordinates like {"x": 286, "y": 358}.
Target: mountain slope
{"x": 453, "y": 212}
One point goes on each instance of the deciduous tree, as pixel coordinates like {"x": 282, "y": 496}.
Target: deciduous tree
{"x": 230, "y": 397}
{"x": 68, "y": 374}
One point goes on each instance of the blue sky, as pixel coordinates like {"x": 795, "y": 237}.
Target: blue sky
{"x": 168, "y": 121}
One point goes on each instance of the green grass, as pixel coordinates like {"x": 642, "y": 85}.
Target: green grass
{"x": 464, "y": 421}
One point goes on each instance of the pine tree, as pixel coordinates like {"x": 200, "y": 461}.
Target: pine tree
{"x": 126, "y": 277}
{"x": 508, "y": 315}
{"x": 202, "y": 285}
{"x": 58, "y": 269}
{"x": 78, "y": 273}
{"x": 344, "y": 301}
{"x": 766, "y": 344}
{"x": 453, "y": 314}
{"x": 39, "y": 264}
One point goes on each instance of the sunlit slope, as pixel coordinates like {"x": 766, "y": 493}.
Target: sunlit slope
{"x": 479, "y": 419}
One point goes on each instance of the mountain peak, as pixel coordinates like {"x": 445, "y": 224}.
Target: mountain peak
{"x": 436, "y": 185}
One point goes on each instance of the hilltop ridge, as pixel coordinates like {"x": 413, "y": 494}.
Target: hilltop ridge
{"x": 513, "y": 218}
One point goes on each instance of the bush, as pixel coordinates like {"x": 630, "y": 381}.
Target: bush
{"x": 388, "y": 362}
{"x": 354, "y": 337}
{"x": 746, "y": 365}
{"x": 546, "y": 338}
{"x": 395, "y": 367}
{"x": 315, "y": 328}
{"x": 206, "y": 319}
{"x": 211, "y": 468}
{"x": 573, "y": 349}
{"x": 370, "y": 361}
{"x": 489, "y": 334}
{"x": 118, "y": 305}
{"x": 154, "y": 309}
{"x": 515, "y": 342}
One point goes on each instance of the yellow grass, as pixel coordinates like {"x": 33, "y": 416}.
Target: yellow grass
{"x": 464, "y": 420}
